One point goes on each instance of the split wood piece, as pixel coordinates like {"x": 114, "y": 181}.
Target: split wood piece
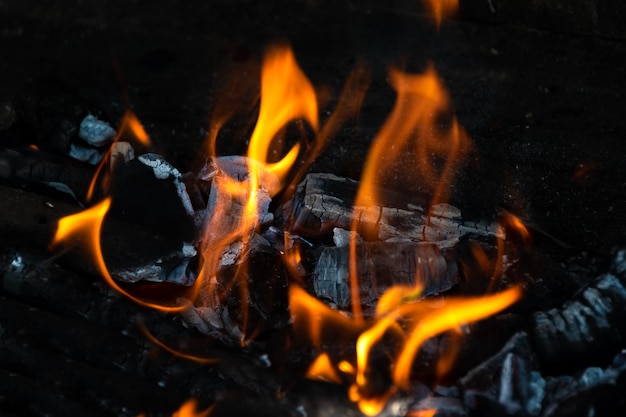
{"x": 30, "y": 168}
{"x": 250, "y": 298}
{"x": 588, "y": 329}
{"x": 325, "y": 201}
{"x": 381, "y": 265}
{"x": 131, "y": 253}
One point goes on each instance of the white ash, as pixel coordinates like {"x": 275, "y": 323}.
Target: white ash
{"x": 342, "y": 237}
{"x": 92, "y": 156}
{"x": 164, "y": 170}
{"x": 96, "y": 132}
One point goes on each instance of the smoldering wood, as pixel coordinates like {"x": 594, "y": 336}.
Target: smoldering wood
{"x": 325, "y": 201}
{"x": 381, "y": 265}
{"x": 132, "y": 253}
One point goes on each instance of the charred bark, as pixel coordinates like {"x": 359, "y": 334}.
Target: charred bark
{"x": 325, "y": 201}
{"x": 381, "y": 265}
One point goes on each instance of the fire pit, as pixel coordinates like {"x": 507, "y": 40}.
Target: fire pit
{"x": 306, "y": 209}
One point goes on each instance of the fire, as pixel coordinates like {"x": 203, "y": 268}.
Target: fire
{"x": 190, "y": 409}
{"x": 442, "y": 8}
{"x": 420, "y": 125}
{"x": 286, "y": 94}
{"x": 323, "y": 369}
{"x": 421, "y": 100}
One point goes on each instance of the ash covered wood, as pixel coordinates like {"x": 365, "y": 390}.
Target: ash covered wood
{"x": 325, "y": 201}
{"x": 379, "y": 266}
{"x": 587, "y": 329}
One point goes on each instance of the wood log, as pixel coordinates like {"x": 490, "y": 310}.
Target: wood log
{"x": 325, "y": 201}
{"x": 588, "y": 329}
{"x": 381, "y": 265}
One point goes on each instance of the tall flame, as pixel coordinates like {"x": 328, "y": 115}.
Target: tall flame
{"x": 286, "y": 94}
{"x": 421, "y": 100}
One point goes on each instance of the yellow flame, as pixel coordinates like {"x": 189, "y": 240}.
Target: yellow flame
{"x": 454, "y": 314}
{"x": 323, "y": 369}
{"x": 286, "y": 94}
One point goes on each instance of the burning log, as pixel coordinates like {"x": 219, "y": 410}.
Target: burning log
{"x": 588, "y": 328}
{"x": 324, "y": 201}
{"x": 381, "y": 265}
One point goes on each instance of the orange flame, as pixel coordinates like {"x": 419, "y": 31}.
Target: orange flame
{"x": 190, "y": 409}
{"x": 323, "y": 369}
{"x": 85, "y": 228}
{"x": 454, "y": 314}
{"x": 414, "y": 119}
{"x": 286, "y": 94}
{"x": 442, "y": 8}
{"x": 430, "y": 319}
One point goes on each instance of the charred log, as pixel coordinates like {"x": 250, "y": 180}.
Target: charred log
{"x": 381, "y": 265}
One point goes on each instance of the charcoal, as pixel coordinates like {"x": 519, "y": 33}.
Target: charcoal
{"x": 597, "y": 391}
{"x": 381, "y": 265}
{"x": 588, "y": 329}
{"x": 96, "y": 132}
{"x": 509, "y": 381}
{"x": 323, "y": 202}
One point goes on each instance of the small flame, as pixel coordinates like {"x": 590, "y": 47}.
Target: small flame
{"x": 442, "y": 8}
{"x": 322, "y": 369}
{"x": 190, "y": 409}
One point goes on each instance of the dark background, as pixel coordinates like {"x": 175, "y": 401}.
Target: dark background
{"x": 537, "y": 85}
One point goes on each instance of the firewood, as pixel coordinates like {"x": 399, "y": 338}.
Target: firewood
{"x": 381, "y": 265}
{"x": 325, "y": 201}
{"x": 589, "y": 328}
